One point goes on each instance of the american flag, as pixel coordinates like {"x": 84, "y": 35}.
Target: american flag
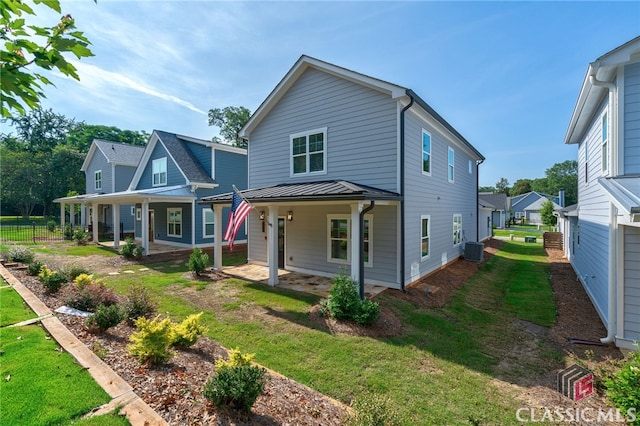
{"x": 240, "y": 209}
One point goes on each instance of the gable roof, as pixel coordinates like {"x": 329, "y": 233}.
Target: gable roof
{"x": 393, "y": 90}
{"x": 499, "y": 201}
{"x": 119, "y": 154}
{"x": 624, "y": 192}
{"x": 182, "y": 157}
{"x": 603, "y": 69}
{"x": 537, "y": 204}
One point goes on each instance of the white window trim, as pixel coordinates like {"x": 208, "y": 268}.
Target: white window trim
{"x": 424, "y": 152}
{"x": 451, "y": 166}
{"x": 96, "y": 180}
{"x": 133, "y": 210}
{"x": 470, "y": 167}
{"x": 204, "y": 223}
{"x": 322, "y": 130}
{"x": 423, "y": 217}
{"x": 138, "y": 213}
{"x": 605, "y": 151}
{"x": 153, "y": 174}
{"x": 176, "y": 209}
{"x": 454, "y": 229}
{"x": 347, "y": 217}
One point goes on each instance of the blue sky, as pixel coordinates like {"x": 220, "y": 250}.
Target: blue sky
{"x": 505, "y": 74}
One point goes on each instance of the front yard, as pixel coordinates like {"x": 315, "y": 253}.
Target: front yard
{"x": 490, "y": 350}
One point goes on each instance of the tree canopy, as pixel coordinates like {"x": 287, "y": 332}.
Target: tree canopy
{"x": 521, "y": 186}
{"x": 502, "y": 186}
{"x": 28, "y": 46}
{"x": 230, "y": 120}
{"x": 546, "y": 213}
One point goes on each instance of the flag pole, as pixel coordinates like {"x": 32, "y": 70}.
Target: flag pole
{"x": 237, "y": 191}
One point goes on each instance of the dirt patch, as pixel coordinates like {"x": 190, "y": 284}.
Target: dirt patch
{"x": 387, "y": 324}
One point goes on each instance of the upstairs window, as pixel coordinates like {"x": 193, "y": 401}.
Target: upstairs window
{"x": 159, "y": 169}
{"x": 457, "y": 229}
{"x": 451, "y": 162}
{"x": 424, "y": 241}
{"x": 605, "y": 144}
{"x": 98, "y": 180}
{"x": 426, "y": 153}
{"x": 309, "y": 152}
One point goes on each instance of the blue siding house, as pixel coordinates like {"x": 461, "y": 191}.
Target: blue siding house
{"x": 604, "y": 227}
{"x": 351, "y": 173}
{"x": 528, "y": 205}
{"x": 162, "y": 193}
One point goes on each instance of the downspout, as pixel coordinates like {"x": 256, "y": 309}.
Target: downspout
{"x": 361, "y": 242}
{"x": 613, "y": 221}
{"x": 478, "y": 200}
{"x": 402, "y": 227}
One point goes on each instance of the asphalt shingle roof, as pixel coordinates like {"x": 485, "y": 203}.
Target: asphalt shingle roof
{"x": 120, "y": 153}
{"x": 185, "y": 160}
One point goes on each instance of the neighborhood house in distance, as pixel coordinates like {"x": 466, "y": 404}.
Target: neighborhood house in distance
{"x": 152, "y": 193}
{"x": 602, "y": 231}
{"x": 351, "y": 173}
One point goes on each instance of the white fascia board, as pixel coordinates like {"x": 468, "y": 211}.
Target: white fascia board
{"x": 143, "y": 161}
{"x": 89, "y": 157}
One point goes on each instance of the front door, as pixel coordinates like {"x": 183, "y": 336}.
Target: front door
{"x": 152, "y": 225}
{"x": 281, "y": 242}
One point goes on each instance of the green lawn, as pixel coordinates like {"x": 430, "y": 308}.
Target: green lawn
{"x": 439, "y": 371}
{"x": 12, "y": 308}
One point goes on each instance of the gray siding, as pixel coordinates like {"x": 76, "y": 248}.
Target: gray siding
{"x": 174, "y": 176}
{"x": 98, "y": 162}
{"x": 631, "y": 283}
{"x": 231, "y": 169}
{"x": 124, "y": 174}
{"x": 361, "y": 133}
{"x": 435, "y": 196}
{"x": 632, "y": 119}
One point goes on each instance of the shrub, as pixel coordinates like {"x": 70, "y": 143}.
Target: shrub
{"x": 198, "y": 261}
{"x": 72, "y": 271}
{"x": 373, "y": 410}
{"x": 237, "y": 383}
{"x": 83, "y": 280}
{"x": 344, "y": 303}
{"x": 622, "y": 387}
{"x": 87, "y": 297}
{"x": 68, "y": 231}
{"x": 138, "y": 303}
{"x": 34, "y": 267}
{"x": 20, "y": 254}
{"x": 51, "y": 226}
{"x": 150, "y": 344}
{"x": 80, "y": 237}
{"x": 130, "y": 249}
{"x": 52, "y": 281}
{"x": 106, "y": 317}
{"x": 189, "y": 331}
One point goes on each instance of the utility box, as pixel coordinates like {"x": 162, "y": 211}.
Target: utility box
{"x": 473, "y": 251}
{"x": 530, "y": 239}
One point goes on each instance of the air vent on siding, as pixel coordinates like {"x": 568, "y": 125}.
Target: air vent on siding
{"x": 473, "y": 251}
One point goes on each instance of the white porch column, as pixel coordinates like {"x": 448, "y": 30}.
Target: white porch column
{"x": 355, "y": 241}
{"x": 217, "y": 239}
{"x": 72, "y": 214}
{"x": 94, "y": 221}
{"x": 193, "y": 223}
{"x": 62, "y": 206}
{"x": 272, "y": 245}
{"x": 116, "y": 225}
{"x": 145, "y": 227}
{"x": 83, "y": 213}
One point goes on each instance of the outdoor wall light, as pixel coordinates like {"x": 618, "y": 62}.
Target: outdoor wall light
{"x": 261, "y": 214}
{"x": 289, "y": 215}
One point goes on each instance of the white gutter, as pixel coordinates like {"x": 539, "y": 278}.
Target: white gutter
{"x": 613, "y": 219}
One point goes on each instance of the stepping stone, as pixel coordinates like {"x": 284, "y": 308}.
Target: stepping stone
{"x": 128, "y": 271}
{"x": 114, "y": 273}
{"x": 143, "y": 269}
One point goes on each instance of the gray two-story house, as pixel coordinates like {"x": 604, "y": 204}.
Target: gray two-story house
{"x": 351, "y": 173}
{"x": 604, "y": 227}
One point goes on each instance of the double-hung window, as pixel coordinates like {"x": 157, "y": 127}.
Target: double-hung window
{"x": 605, "y": 144}
{"x": 425, "y": 236}
{"x": 309, "y": 152}
{"x": 98, "y": 180}
{"x": 457, "y": 229}
{"x": 339, "y": 239}
{"x": 159, "y": 169}
{"x": 208, "y": 223}
{"x": 451, "y": 164}
{"x": 174, "y": 222}
{"x": 426, "y": 153}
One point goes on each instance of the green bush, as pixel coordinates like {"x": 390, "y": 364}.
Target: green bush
{"x": 344, "y": 303}
{"x": 189, "y": 331}
{"x": 150, "y": 344}
{"x": 235, "y": 387}
{"x": 68, "y": 231}
{"x": 138, "y": 303}
{"x": 373, "y": 410}
{"x": 88, "y": 296}
{"x": 623, "y": 388}
{"x": 198, "y": 261}
{"x": 80, "y": 237}
{"x": 72, "y": 271}
{"x": 52, "y": 281}
{"x": 51, "y": 226}
{"x": 130, "y": 250}
{"x": 20, "y": 254}
{"x": 106, "y": 317}
{"x": 34, "y": 267}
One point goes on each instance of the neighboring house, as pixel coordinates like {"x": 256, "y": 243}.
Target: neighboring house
{"x": 604, "y": 229}
{"x": 528, "y": 205}
{"x": 500, "y": 207}
{"x": 174, "y": 172}
{"x": 485, "y": 224}
{"x": 351, "y": 173}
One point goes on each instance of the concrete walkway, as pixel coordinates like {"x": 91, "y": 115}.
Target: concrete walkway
{"x": 122, "y": 394}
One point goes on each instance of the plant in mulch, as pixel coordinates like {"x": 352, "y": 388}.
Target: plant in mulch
{"x": 198, "y": 261}
{"x": 105, "y": 317}
{"x": 236, "y": 383}
{"x": 34, "y": 268}
{"x": 344, "y": 303}
{"x": 138, "y": 303}
{"x": 86, "y": 294}
{"x": 20, "y": 254}
{"x": 151, "y": 343}
{"x": 130, "y": 250}
{"x": 51, "y": 280}
{"x": 80, "y": 236}
{"x": 623, "y": 387}
{"x": 73, "y": 270}
{"x": 189, "y": 331}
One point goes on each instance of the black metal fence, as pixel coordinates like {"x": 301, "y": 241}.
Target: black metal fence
{"x": 35, "y": 232}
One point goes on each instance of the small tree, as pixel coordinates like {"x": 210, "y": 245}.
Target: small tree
{"x": 546, "y": 213}
{"x": 230, "y": 120}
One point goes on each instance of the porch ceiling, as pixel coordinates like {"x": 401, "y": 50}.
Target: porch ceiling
{"x": 180, "y": 193}
{"x": 333, "y": 190}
